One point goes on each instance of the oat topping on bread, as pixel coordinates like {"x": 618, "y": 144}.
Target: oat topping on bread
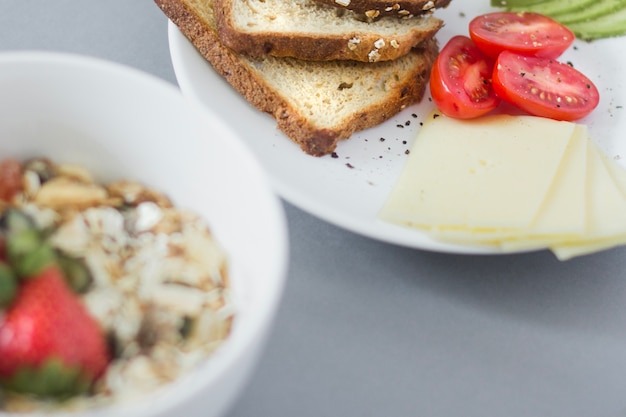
{"x": 312, "y": 30}
{"x": 389, "y": 8}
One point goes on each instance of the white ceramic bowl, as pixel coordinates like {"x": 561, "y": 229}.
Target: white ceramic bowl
{"x": 122, "y": 123}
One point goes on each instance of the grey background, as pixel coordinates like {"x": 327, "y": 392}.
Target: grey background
{"x": 371, "y": 329}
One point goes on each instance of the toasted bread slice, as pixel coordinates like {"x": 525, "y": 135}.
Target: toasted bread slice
{"x": 375, "y": 8}
{"x": 311, "y": 30}
{"x": 315, "y": 103}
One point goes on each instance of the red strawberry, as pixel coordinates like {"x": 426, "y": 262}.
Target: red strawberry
{"x": 49, "y": 344}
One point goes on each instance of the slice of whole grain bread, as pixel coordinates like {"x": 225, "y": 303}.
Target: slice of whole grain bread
{"x": 312, "y": 30}
{"x": 375, "y": 8}
{"x": 315, "y": 103}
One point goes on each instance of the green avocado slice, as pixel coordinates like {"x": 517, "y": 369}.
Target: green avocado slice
{"x": 609, "y": 25}
{"x": 514, "y": 3}
{"x": 597, "y": 9}
{"x": 556, "y": 7}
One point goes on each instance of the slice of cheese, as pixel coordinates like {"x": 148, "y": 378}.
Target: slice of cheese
{"x": 606, "y": 205}
{"x": 563, "y": 214}
{"x": 606, "y": 208}
{"x": 617, "y": 172}
{"x": 513, "y": 183}
{"x": 490, "y": 173}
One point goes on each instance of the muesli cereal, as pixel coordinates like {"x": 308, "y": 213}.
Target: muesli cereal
{"x": 151, "y": 275}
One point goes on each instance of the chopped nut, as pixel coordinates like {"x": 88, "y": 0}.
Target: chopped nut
{"x": 133, "y": 193}
{"x": 62, "y": 192}
{"x": 75, "y": 172}
{"x": 147, "y": 215}
{"x": 372, "y": 14}
{"x": 32, "y": 183}
{"x": 343, "y": 3}
{"x": 43, "y": 167}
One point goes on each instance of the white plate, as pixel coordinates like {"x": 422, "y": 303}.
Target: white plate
{"x": 349, "y": 190}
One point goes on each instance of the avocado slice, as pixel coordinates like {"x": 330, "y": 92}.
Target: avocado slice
{"x": 597, "y": 9}
{"x": 609, "y": 25}
{"x": 556, "y": 7}
{"x": 514, "y": 3}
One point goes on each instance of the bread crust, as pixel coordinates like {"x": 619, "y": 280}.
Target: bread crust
{"x": 237, "y": 70}
{"x": 358, "y": 45}
{"x": 389, "y": 8}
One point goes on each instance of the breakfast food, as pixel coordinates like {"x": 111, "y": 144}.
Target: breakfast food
{"x": 511, "y": 57}
{"x": 460, "y": 81}
{"x": 132, "y": 291}
{"x": 307, "y": 29}
{"x": 375, "y": 8}
{"x": 49, "y": 344}
{"x": 314, "y": 103}
{"x": 512, "y": 183}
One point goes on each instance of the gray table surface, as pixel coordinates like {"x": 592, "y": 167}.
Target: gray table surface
{"x": 371, "y": 329}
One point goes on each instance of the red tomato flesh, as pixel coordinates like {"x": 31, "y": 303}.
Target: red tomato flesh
{"x": 525, "y": 33}
{"x": 460, "y": 81}
{"x": 544, "y": 87}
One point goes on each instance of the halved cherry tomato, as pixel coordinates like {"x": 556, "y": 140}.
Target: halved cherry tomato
{"x": 525, "y": 33}
{"x": 544, "y": 87}
{"x": 460, "y": 81}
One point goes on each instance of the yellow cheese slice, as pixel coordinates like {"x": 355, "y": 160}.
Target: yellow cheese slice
{"x": 490, "y": 173}
{"x": 563, "y": 213}
{"x": 560, "y": 217}
{"x": 618, "y": 173}
{"x": 572, "y": 249}
{"x": 513, "y": 183}
{"x": 606, "y": 208}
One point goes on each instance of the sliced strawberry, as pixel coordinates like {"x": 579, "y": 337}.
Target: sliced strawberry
{"x": 48, "y": 340}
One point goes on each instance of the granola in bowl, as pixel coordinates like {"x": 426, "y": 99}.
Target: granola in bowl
{"x": 151, "y": 275}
